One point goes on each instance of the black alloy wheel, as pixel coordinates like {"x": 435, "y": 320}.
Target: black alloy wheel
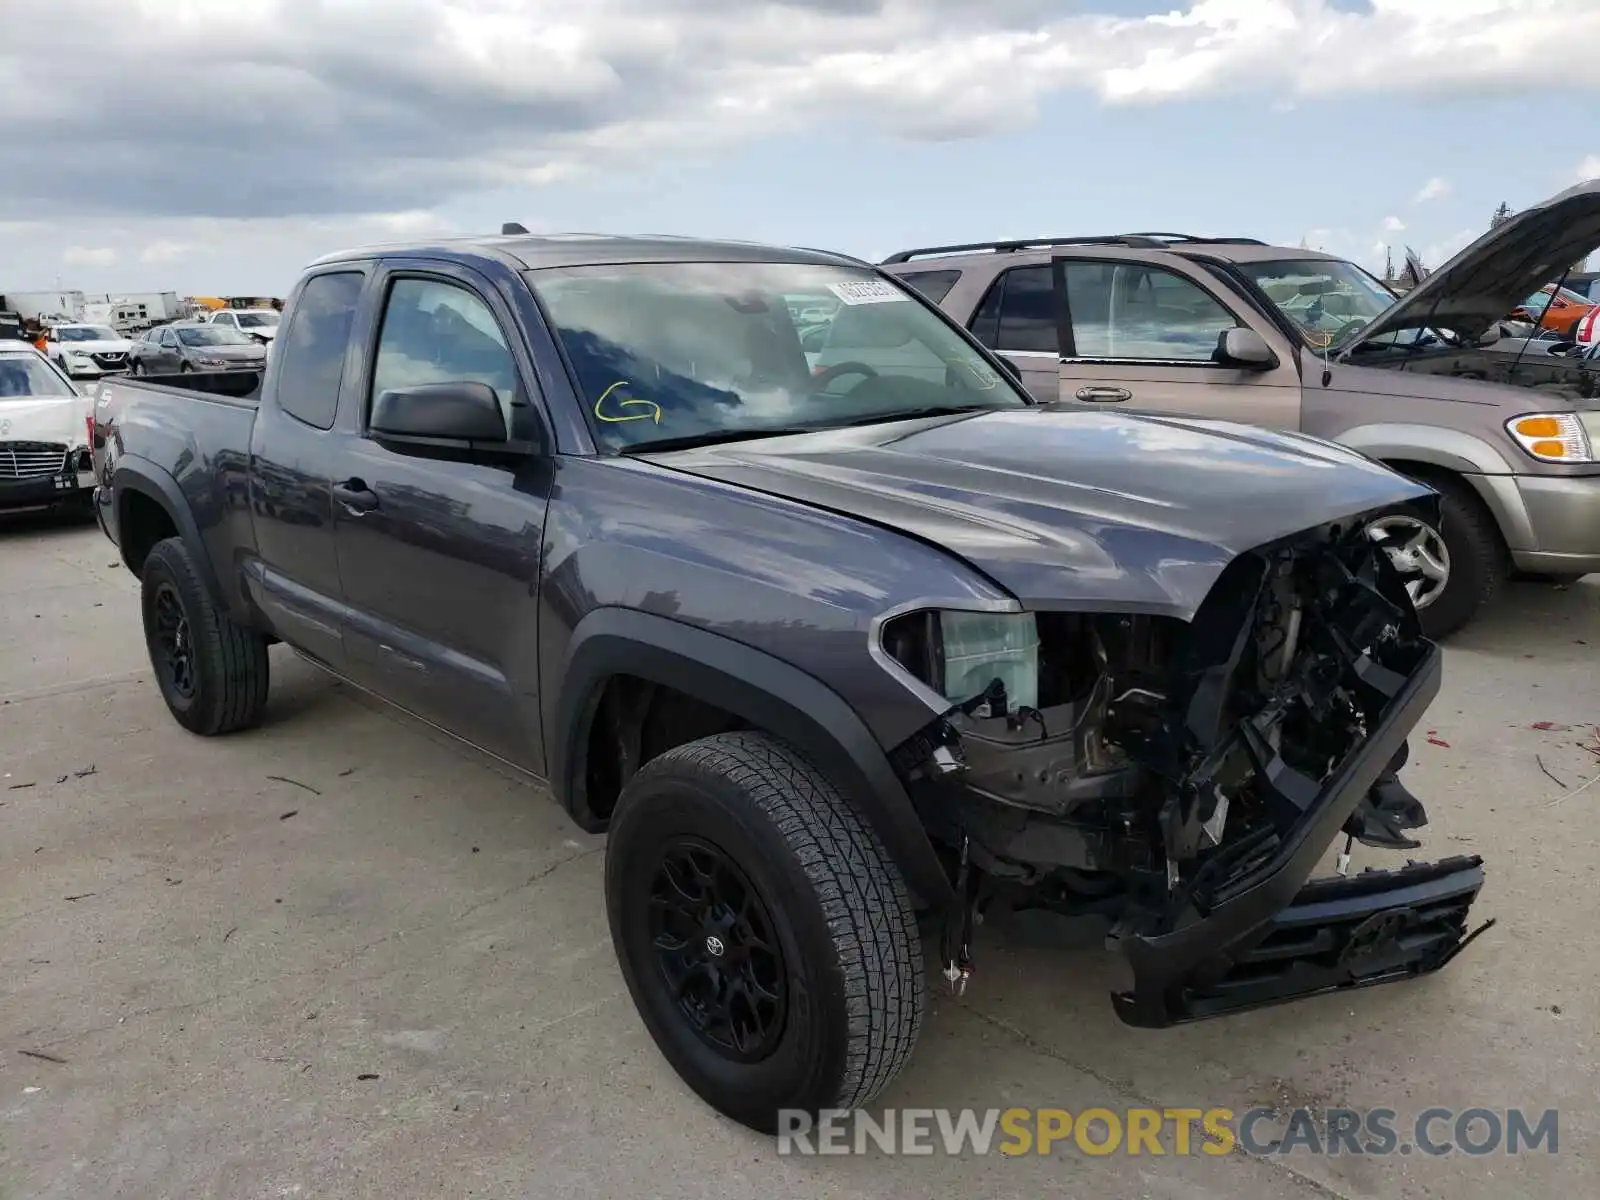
{"x": 173, "y": 642}
{"x": 717, "y": 949}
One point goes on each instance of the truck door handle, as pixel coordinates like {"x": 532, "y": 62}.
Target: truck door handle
{"x": 1104, "y": 395}
{"x": 356, "y": 496}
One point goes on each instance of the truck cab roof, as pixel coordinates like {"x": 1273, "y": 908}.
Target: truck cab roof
{"x": 536, "y": 251}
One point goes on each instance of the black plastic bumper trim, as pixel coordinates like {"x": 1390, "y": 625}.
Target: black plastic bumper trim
{"x": 1184, "y": 975}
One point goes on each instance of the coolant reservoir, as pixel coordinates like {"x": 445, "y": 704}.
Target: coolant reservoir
{"x": 980, "y": 647}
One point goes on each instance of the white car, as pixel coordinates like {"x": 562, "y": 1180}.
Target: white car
{"x": 259, "y": 323}
{"x": 88, "y": 351}
{"x": 44, "y": 433}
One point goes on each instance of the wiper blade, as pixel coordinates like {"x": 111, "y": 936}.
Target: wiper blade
{"x": 911, "y": 414}
{"x": 713, "y": 437}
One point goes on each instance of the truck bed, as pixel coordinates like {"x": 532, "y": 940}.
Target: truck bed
{"x": 240, "y": 387}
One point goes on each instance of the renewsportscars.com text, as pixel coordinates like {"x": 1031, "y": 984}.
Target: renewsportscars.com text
{"x": 1179, "y": 1131}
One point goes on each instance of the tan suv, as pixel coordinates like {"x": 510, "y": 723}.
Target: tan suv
{"x": 1241, "y": 331}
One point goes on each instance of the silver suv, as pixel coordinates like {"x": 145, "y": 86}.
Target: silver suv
{"x": 1242, "y": 331}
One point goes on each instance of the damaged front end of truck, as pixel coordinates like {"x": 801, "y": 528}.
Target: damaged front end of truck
{"x": 1185, "y": 779}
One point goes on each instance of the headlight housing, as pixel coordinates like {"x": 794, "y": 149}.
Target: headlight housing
{"x": 960, "y": 654}
{"x": 1567, "y": 437}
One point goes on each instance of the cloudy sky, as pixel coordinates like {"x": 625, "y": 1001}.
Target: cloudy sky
{"x": 215, "y": 147}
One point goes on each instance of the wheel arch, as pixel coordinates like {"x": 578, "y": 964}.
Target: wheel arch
{"x": 1430, "y": 452}
{"x": 762, "y": 691}
{"x": 137, "y": 487}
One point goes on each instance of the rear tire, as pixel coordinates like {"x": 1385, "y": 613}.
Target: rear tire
{"x": 822, "y": 971}
{"x": 213, "y": 672}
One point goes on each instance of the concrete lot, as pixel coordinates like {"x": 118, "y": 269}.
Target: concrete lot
{"x": 342, "y": 957}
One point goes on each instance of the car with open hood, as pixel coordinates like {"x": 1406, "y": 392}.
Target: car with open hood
{"x": 820, "y": 647}
{"x": 1557, "y": 308}
{"x": 259, "y": 324}
{"x": 44, "y": 440}
{"x": 1303, "y": 341}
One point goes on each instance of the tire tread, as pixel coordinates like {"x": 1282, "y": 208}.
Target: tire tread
{"x": 861, "y": 892}
{"x": 231, "y": 658}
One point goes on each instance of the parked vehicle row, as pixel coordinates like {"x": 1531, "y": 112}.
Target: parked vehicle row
{"x": 824, "y": 634}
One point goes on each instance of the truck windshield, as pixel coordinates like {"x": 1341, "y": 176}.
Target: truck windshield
{"x": 207, "y": 335}
{"x": 24, "y": 376}
{"x": 1328, "y": 299}
{"x": 675, "y": 352}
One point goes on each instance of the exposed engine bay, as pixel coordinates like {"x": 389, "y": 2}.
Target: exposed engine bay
{"x": 1158, "y": 772}
{"x": 1567, "y": 373}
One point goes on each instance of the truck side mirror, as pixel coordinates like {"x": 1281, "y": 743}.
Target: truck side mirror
{"x": 1245, "y": 349}
{"x": 452, "y": 413}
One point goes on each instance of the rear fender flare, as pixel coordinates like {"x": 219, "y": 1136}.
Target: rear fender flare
{"x": 143, "y": 477}
{"x": 764, "y": 691}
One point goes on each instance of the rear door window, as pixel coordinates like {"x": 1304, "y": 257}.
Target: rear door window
{"x": 310, "y": 357}
{"x": 935, "y": 285}
{"x": 1019, "y": 313}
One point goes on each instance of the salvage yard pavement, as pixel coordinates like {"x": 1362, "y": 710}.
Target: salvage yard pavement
{"x": 342, "y": 956}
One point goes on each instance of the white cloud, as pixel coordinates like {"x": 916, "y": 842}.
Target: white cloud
{"x": 206, "y": 255}
{"x": 1438, "y": 252}
{"x": 164, "y": 251}
{"x": 1434, "y": 189}
{"x": 1589, "y": 168}
{"x": 86, "y": 256}
{"x": 394, "y": 105}
{"x": 1393, "y": 225}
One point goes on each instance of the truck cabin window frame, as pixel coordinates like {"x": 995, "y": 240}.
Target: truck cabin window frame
{"x": 454, "y": 336}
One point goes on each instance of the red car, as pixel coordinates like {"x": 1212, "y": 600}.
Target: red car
{"x": 1552, "y": 308}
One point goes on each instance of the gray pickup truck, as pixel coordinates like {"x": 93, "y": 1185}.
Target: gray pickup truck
{"x": 1293, "y": 339}
{"x": 829, "y": 651}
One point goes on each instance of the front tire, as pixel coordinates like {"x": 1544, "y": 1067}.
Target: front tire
{"x": 212, "y": 671}
{"x": 1467, "y": 544}
{"x": 767, "y": 939}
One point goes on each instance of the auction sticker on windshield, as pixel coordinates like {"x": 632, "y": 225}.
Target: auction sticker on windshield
{"x": 867, "y": 291}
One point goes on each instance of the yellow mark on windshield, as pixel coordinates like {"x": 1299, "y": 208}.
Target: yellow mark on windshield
{"x": 653, "y": 415}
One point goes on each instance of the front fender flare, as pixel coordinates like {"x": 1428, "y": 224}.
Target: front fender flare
{"x": 764, "y": 691}
{"x": 1451, "y": 449}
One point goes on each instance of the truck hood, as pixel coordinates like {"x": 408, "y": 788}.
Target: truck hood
{"x": 1484, "y": 282}
{"x": 44, "y": 419}
{"x": 1069, "y": 509}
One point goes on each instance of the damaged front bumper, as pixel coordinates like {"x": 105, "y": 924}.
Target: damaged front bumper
{"x": 1186, "y": 782}
{"x": 1269, "y": 936}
